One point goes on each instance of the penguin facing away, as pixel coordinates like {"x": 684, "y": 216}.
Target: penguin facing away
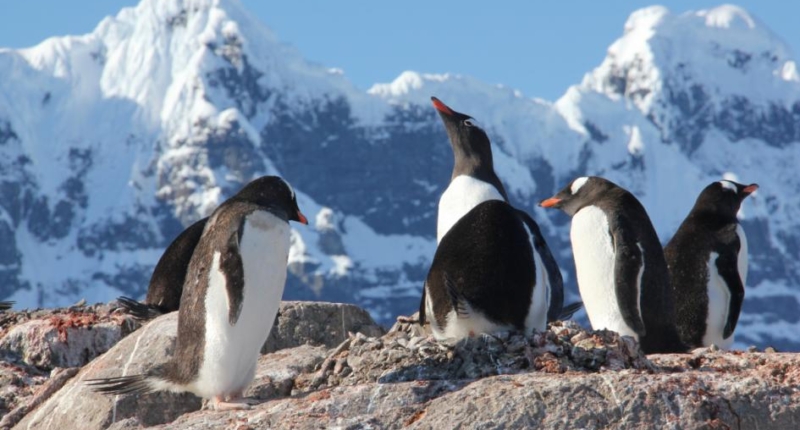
{"x": 166, "y": 282}
{"x": 486, "y": 276}
{"x": 707, "y": 260}
{"x": 620, "y": 266}
{"x": 231, "y": 294}
{"x": 474, "y": 181}
{"x": 6, "y": 305}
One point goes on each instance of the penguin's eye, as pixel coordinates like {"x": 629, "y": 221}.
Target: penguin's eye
{"x": 471, "y": 123}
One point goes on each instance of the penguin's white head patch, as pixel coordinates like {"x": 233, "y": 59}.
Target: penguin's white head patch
{"x": 291, "y": 190}
{"x": 728, "y": 185}
{"x": 577, "y": 184}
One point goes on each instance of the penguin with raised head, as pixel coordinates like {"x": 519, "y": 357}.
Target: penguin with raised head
{"x": 707, "y": 260}
{"x": 486, "y": 276}
{"x": 620, "y": 266}
{"x": 6, "y": 305}
{"x": 166, "y": 282}
{"x": 474, "y": 181}
{"x": 231, "y": 294}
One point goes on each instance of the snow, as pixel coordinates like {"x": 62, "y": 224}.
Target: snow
{"x": 728, "y": 16}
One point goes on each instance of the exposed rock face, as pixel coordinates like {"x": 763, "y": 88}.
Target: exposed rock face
{"x": 318, "y": 323}
{"x": 566, "y": 377}
{"x": 36, "y": 346}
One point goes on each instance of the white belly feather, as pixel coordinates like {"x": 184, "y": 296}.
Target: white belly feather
{"x": 719, "y": 299}
{"x": 594, "y": 264}
{"x": 719, "y": 296}
{"x": 231, "y": 351}
{"x": 742, "y": 260}
{"x": 463, "y": 194}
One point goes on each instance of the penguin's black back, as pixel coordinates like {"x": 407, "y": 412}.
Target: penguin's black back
{"x": 488, "y": 257}
{"x": 629, "y": 224}
{"x": 688, "y": 254}
{"x": 166, "y": 283}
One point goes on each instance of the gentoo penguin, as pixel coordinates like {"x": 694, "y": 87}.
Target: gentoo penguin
{"x": 230, "y": 298}
{"x": 5, "y": 305}
{"x": 166, "y": 283}
{"x": 621, "y": 271}
{"x": 474, "y": 181}
{"x": 707, "y": 261}
{"x": 486, "y": 276}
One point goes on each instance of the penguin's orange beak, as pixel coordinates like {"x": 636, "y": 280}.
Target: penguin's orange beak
{"x": 441, "y": 107}
{"x": 549, "y": 203}
{"x": 750, "y": 189}
{"x": 302, "y": 218}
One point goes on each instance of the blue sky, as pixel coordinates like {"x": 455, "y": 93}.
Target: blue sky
{"x": 538, "y": 47}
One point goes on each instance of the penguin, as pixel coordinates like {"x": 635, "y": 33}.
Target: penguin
{"x": 4, "y": 306}
{"x": 622, "y": 275}
{"x": 486, "y": 276}
{"x": 166, "y": 282}
{"x": 233, "y": 286}
{"x": 707, "y": 260}
{"x": 474, "y": 181}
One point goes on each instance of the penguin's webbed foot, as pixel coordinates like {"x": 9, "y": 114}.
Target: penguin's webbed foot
{"x": 218, "y": 403}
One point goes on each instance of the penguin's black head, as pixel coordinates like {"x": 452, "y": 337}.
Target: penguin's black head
{"x": 273, "y": 194}
{"x": 471, "y": 145}
{"x": 723, "y": 197}
{"x": 581, "y": 192}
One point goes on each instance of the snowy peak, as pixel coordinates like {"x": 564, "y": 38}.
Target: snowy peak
{"x": 688, "y": 73}
{"x": 725, "y": 49}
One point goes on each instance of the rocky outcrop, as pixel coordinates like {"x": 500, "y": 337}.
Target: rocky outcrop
{"x": 566, "y": 377}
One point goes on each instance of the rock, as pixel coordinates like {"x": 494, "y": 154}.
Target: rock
{"x": 276, "y": 372}
{"x": 35, "y": 342}
{"x": 299, "y": 323}
{"x": 318, "y": 323}
{"x": 58, "y": 378}
{"x": 741, "y": 397}
{"x": 565, "y": 377}
{"x": 77, "y": 406}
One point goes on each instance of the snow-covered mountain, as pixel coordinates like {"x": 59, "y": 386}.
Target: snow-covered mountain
{"x": 113, "y": 141}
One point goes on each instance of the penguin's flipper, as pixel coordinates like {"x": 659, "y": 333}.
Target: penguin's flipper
{"x": 554, "y": 310}
{"x": 232, "y": 268}
{"x": 569, "y": 310}
{"x": 460, "y": 304}
{"x": 422, "y": 306}
{"x": 138, "y": 310}
{"x": 5, "y": 305}
{"x": 628, "y": 271}
{"x": 728, "y": 270}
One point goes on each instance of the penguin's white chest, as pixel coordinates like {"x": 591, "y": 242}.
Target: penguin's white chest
{"x": 463, "y": 194}
{"x": 719, "y": 296}
{"x": 719, "y": 299}
{"x": 232, "y": 350}
{"x": 594, "y": 263}
{"x": 742, "y": 260}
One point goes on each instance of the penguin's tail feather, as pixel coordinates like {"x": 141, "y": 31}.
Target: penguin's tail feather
{"x": 136, "y": 384}
{"x": 138, "y": 310}
{"x": 569, "y": 310}
{"x": 133, "y": 384}
{"x": 5, "y": 305}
